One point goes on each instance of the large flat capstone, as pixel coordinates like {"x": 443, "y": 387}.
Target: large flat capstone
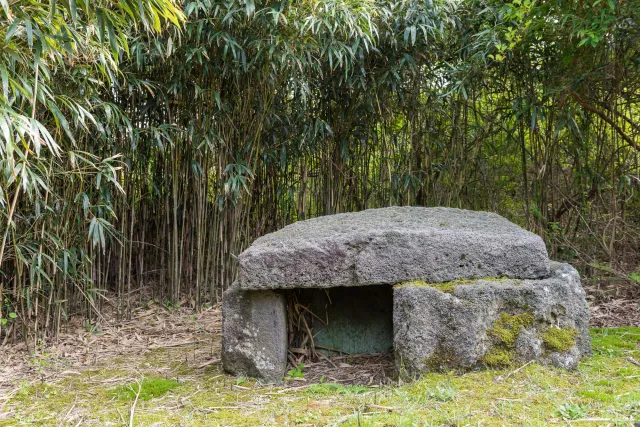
{"x": 392, "y": 245}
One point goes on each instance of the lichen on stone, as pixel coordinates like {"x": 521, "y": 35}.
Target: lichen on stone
{"x": 559, "y": 339}
{"x": 446, "y": 287}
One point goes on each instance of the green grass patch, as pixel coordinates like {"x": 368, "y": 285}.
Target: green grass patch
{"x": 151, "y": 388}
{"x": 615, "y": 341}
{"x": 605, "y": 387}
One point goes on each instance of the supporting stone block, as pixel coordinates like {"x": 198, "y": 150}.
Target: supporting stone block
{"x": 254, "y": 334}
{"x": 494, "y": 323}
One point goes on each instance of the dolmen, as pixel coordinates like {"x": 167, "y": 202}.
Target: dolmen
{"x": 441, "y": 288}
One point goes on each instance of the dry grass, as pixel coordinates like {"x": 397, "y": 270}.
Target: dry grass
{"x": 192, "y": 341}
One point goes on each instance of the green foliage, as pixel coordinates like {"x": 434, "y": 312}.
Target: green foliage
{"x": 9, "y": 313}
{"x": 570, "y": 411}
{"x": 330, "y": 389}
{"x": 59, "y": 168}
{"x": 297, "y": 372}
{"x": 445, "y": 393}
{"x": 151, "y": 388}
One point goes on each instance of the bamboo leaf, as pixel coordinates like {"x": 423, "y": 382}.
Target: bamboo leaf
{"x": 73, "y": 9}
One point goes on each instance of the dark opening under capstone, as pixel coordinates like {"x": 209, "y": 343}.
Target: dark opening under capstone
{"x": 359, "y": 320}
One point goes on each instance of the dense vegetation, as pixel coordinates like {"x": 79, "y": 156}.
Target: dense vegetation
{"x": 145, "y": 144}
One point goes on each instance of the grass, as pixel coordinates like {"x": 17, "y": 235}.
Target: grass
{"x": 604, "y": 390}
{"x": 148, "y": 389}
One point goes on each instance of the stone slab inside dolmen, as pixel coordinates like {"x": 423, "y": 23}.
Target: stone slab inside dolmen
{"x": 441, "y": 288}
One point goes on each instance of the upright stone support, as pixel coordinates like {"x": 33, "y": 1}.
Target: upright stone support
{"x": 254, "y": 334}
{"x": 491, "y": 322}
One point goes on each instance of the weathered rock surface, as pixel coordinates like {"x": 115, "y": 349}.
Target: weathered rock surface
{"x": 254, "y": 334}
{"x": 495, "y": 323}
{"x": 470, "y": 290}
{"x": 392, "y": 245}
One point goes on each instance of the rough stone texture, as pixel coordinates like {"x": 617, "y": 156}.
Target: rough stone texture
{"x": 449, "y": 310}
{"x": 254, "y": 333}
{"x": 435, "y": 329}
{"x": 392, "y": 245}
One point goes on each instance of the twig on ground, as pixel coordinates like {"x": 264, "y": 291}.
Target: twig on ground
{"x": 322, "y": 356}
{"x": 217, "y": 408}
{"x": 239, "y": 387}
{"x": 632, "y": 360}
{"x": 70, "y": 410}
{"x": 342, "y": 420}
{"x": 175, "y": 344}
{"x": 356, "y": 415}
{"x": 500, "y": 379}
{"x": 4, "y": 415}
{"x": 114, "y": 380}
{"x": 386, "y": 408}
{"x": 207, "y": 363}
{"x": 133, "y": 407}
{"x": 121, "y": 417}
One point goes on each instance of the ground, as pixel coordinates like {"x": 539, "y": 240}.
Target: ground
{"x": 91, "y": 377}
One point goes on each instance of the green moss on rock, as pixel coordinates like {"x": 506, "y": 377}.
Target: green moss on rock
{"x": 559, "y": 339}
{"x": 447, "y": 287}
{"x": 507, "y": 328}
{"x": 498, "y": 357}
{"x": 440, "y": 359}
{"x": 505, "y": 333}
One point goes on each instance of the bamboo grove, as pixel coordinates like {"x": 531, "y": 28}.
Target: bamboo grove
{"x": 145, "y": 144}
